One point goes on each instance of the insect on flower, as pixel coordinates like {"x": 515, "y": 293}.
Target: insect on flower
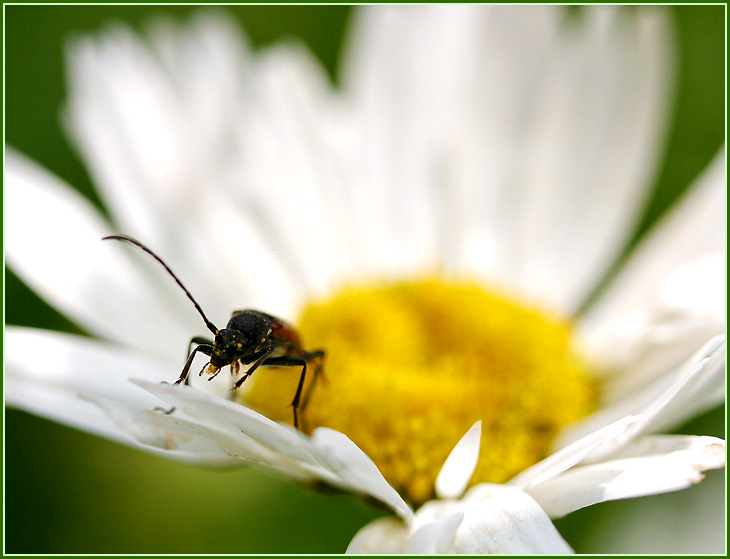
{"x": 250, "y": 338}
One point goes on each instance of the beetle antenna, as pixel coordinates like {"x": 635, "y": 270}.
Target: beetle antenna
{"x": 136, "y": 243}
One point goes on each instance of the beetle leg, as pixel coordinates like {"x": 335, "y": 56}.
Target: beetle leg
{"x": 203, "y": 348}
{"x": 312, "y": 356}
{"x": 197, "y": 340}
{"x": 293, "y": 361}
{"x": 258, "y": 360}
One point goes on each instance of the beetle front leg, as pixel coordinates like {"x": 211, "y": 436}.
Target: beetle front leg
{"x": 199, "y": 340}
{"x": 206, "y": 349}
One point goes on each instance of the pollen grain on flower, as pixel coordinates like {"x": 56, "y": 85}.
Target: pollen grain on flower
{"x": 411, "y": 366}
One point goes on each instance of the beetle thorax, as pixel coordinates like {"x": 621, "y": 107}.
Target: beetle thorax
{"x": 253, "y": 326}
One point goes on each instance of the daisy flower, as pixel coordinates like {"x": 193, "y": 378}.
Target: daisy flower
{"x": 438, "y": 225}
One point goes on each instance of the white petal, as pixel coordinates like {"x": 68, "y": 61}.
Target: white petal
{"x": 437, "y": 536}
{"x": 569, "y": 456}
{"x": 164, "y": 174}
{"x": 669, "y": 296}
{"x": 596, "y": 143}
{"x": 493, "y": 84}
{"x": 53, "y": 242}
{"x": 385, "y": 535}
{"x": 256, "y": 276}
{"x": 224, "y": 414}
{"x": 328, "y": 455}
{"x": 269, "y": 136}
{"x": 703, "y": 389}
{"x": 692, "y": 388}
{"x": 664, "y": 444}
{"x": 677, "y": 464}
{"x": 501, "y": 519}
{"x": 207, "y": 61}
{"x": 355, "y": 469}
{"x": 433, "y": 87}
{"x": 131, "y": 130}
{"x": 291, "y": 167}
{"x": 288, "y": 169}
{"x": 173, "y": 437}
{"x": 683, "y": 311}
{"x": 489, "y": 519}
{"x": 688, "y": 522}
{"x": 392, "y": 81}
{"x": 45, "y": 372}
{"x": 459, "y": 466}
{"x": 288, "y": 450}
{"x": 583, "y": 108}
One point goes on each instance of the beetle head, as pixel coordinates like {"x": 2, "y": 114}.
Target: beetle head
{"x": 229, "y": 346}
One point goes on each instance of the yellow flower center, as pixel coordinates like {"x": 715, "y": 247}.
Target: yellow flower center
{"x": 410, "y": 367}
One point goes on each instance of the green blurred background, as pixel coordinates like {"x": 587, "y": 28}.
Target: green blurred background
{"x": 69, "y": 492}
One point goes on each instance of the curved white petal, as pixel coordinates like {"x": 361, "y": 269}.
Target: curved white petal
{"x": 328, "y": 455}
{"x": 355, "y": 470}
{"x": 383, "y": 536}
{"x": 654, "y": 465}
{"x": 664, "y": 444}
{"x": 692, "y": 388}
{"x": 501, "y": 519}
{"x": 46, "y": 372}
{"x": 161, "y": 432}
{"x": 459, "y": 465}
{"x": 489, "y": 519}
{"x": 53, "y": 242}
{"x": 703, "y": 389}
{"x": 689, "y": 522}
{"x": 669, "y": 297}
{"x": 224, "y": 415}
{"x": 436, "y": 536}
{"x": 569, "y": 456}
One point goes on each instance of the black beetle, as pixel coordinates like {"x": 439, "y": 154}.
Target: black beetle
{"x": 250, "y": 338}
